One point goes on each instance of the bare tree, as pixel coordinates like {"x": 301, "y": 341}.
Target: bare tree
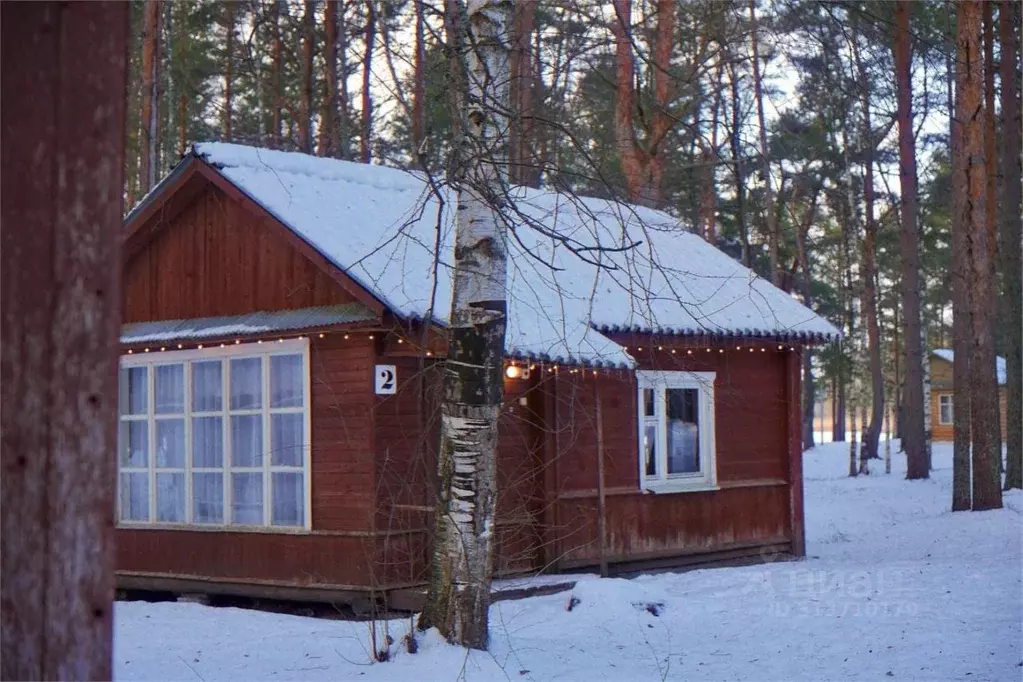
{"x": 913, "y": 438}
{"x": 419, "y": 79}
{"x": 458, "y": 600}
{"x": 1012, "y": 237}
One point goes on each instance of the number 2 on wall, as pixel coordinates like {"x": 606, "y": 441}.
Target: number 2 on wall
{"x": 386, "y": 379}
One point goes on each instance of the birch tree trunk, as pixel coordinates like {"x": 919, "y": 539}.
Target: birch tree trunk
{"x": 1012, "y": 238}
{"x": 913, "y": 428}
{"x": 458, "y": 600}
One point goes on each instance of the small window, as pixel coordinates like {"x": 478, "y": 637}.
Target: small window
{"x": 676, "y": 431}
{"x": 945, "y": 413}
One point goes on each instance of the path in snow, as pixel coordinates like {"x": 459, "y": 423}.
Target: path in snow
{"x": 895, "y": 587}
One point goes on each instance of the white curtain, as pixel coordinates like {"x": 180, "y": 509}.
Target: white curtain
{"x": 170, "y": 497}
{"x": 288, "y": 494}
{"x": 247, "y": 498}
{"x": 207, "y": 442}
{"x": 207, "y": 497}
{"x": 135, "y": 496}
{"x": 246, "y": 384}
{"x": 286, "y": 381}
{"x": 247, "y": 440}
{"x": 169, "y": 389}
{"x": 207, "y": 386}
{"x": 287, "y": 439}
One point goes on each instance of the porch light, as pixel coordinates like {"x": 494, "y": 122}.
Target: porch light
{"x": 513, "y": 371}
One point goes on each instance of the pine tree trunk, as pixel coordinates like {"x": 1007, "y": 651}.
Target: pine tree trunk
{"x": 961, "y": 315}
{"x": 1011, "y": 229}
{"x": 520, "y": 162}
{"x": 305, "y": 109}
{"x": 991, "y": 213}
{"x": 276, "y": 94}
{"x": 458, "y": 598}
{"x": 328, "y": 142}
{"x": 150, "y": 84}
{"x": 853, "y": 471}
{"x": 869, "y": 300}
{"x": 734, "y": 142}
{"x": 986, "y": 489}
{"x": 805, "y": 290}
{"x": 343, "y": 146}
{"x": 229, "y": 14}
{"x": 182, "y": 86}
{"x": 913, "y": 439}
{"x": 708, "y": 167}
{"x": 365, "y": 141}
{"x": 418, "y": 80}
{"x": 864, "y": 450}
{"x": 773, "y": 236}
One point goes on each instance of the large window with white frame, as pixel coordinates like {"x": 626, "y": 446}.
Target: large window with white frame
{"x": 216, "y": 437}
{"x": 945, "y": 413}
{"x": 676, "y": 431}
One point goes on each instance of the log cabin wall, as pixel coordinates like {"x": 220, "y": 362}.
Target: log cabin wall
{"x": 754, "y": 505}
{"x": 217, "y": 258}
{"x": 205, "y": 265}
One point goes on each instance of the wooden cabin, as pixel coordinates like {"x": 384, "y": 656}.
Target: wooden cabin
{"x": 282, "y": 343}
{"x": 942, "y": 387}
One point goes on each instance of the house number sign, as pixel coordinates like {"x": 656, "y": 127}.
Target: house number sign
{"x": 386, "y": 379}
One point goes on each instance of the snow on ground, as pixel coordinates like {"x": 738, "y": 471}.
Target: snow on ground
{"x": 895, "y": 586}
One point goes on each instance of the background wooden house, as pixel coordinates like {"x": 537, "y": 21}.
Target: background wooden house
{"x": 942, "y": 386}
{"x": 279, "y": 384}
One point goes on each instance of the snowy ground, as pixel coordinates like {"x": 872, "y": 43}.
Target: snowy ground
{"x": 895, "y": 586}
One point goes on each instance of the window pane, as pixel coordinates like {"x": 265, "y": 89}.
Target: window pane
{"x": 246, "y": 384}
{"x": 648, "y": 402}
{"x": 286, "y": 381}
{"x": 207, "y": 386}
{"x": 134, "y": 443}
{"x": 208, "y": 498}
{"x": 207, "y": 442}
{"x": 170, "y": 443}
{"x": 169, "y": 389}
{"x": 683, "y": 430}
{"x": 170, "y": 498}
{"x": 247, "y": 441}
{"x": 247, "y": 499}
{"x": 288, "y": 499}
{"x": 135, "y": 497}
{"x": 650, "y": 446}
{"x": 286, "y": 439}
{"x": 133, "y": 390}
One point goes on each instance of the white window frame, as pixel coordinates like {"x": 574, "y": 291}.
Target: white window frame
{"x": 662, "y": 481}
{"x": 942, "y": 399}
{"x": 225, "y": 353}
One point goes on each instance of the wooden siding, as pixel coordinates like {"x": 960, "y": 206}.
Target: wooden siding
{"x": 216, "y": 258}
{"x": 943, "y": 432}
{"x": 941, "y": 373}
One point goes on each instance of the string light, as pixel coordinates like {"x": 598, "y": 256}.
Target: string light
{"x": 689, "y": 352}
{"x": 660, "y": 348}
{"x": 199, "y": 346}
{"x": 721, "y": 350}
{"x": 709, "y": 350}
{"x": 401, "y": 340}
{"x": 763, "y": 350}
{"x": 180, "y": 346}
{"x": 429, "y": 353}
{"x": 280, "y": 340}
{"x": 260, "y": 341}
{"x": 163, "y": 348}
{"x": 346, "y": 337}
{"x": 640, "y": 348}
{"x": 322, "y": 335}
{"x": 147, "y": 350}
{"x": 237, "y": 341}
{"x": 673, "y": 351}
{"x": 130, "y": 351}
{"x": 370, "y": 336}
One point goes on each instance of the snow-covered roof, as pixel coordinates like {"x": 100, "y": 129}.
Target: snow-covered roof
{"x": 948, "y": 355}
{"x": 248, "y": 323}
{"x": 379, "y": 225}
